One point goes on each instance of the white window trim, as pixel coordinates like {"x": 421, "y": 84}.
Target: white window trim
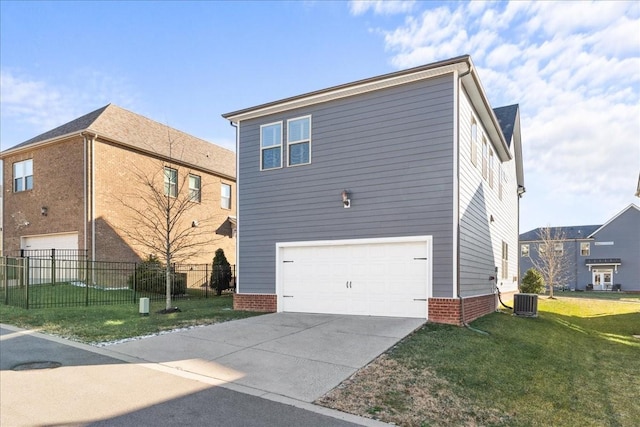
{"x": 588, "y": 249}
{"x": 301, "y": 141}
{"x": 280, "y": 123}
{"x": 21, "y": 174}
{"x": 523, "y": 252}
{"x": 222, "y": 185}
{"x": 199, "y": 189}
{"x": 485, "y": 157}
{"x": 491, "y": 167}
{"x": 175, "y": 184}
{"x": 474, "y": 142}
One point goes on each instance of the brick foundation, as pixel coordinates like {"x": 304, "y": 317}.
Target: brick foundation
{"x": 449, "y": 310}
{"x": 255, "y": 302}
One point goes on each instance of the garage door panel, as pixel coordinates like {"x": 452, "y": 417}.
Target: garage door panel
{"x": 378, "y": 279}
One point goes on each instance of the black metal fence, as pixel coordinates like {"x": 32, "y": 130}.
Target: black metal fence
{"x": 59, "y": 280}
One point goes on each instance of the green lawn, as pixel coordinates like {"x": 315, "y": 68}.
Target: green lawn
{"x": 112, "y": 322}
{"x": 576, "y": 364}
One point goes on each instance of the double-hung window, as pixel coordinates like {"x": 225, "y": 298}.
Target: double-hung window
{"x": 23, "y": 175}
{"x": 485, "y": 155}
{"x": 194, "y": 188}
{"x": 170, "y": 182}
{"x": 524, "y": 250}
{"x": 271, "y": 146}
{"x": 585, "y": 248}
{"x": 225, "y": 196}
{"x": 558, "y": 249}
{"x": 474, "y": 142}
{"x": 299, "y": 141}
{"x": 491, "y": 167}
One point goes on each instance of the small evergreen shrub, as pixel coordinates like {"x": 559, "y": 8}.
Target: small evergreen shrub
{"x": 150, "y": 277}
{"x": 532, "y": 282}
{"x": 220, "y": 272}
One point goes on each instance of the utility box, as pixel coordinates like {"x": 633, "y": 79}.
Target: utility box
{"x": 144, "y": 306}
{"x": 525, "y": 305}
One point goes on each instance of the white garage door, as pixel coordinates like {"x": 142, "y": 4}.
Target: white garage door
{"x": 385, "y": 277}
{"x": 51, "y": 241}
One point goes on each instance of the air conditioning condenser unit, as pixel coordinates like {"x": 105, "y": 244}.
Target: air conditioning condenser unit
{"x": 525, "y": 305}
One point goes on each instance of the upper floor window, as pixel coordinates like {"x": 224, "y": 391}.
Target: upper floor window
{"x": 491, "y": 167}
{"x": 524, "y": 250}
{"x": 585, "y": 248}
{"x": 485, "y": 155}
{"x": 225, "y": 196}
{"x": 23, "y": 175}
{"x": 170, "y": 182}
{"x": 474, "y": 142}
{"x": 271, "y": 146}
{"x": 194, "y": 188}
{"x": 299, "y": 141}
{"x": 558, "y": 248}
{"x": 500, "y": 179}
{"x": 542, "y": 248}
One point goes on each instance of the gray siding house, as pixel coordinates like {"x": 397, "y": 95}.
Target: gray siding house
{"x": 390, "y": 196}
{"x": 600, "y": 257}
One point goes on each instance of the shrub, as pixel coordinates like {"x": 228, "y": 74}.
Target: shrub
{"x": 150, "y": 276}
{"x": 532, "y": 282}
{"x": 220, "y": 272}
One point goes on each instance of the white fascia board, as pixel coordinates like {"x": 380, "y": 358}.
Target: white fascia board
{"x": 347, "y": 91}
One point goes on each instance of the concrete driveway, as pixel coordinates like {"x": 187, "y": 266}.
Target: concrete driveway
{"x": 298, "y": 356}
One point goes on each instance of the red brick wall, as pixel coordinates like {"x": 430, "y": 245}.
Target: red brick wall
{"x": 255, "y": 302}
{"x": 57, "y": 184}
{"x": 449, "y": 310}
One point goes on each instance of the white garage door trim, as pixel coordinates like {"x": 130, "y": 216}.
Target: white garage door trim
{"x": 282, "y": 246}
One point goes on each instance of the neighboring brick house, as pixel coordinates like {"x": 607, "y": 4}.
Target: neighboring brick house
{"x": 64, "y": 189}
{"x": 397, "y": 195}
{"x": 599, "y": 257}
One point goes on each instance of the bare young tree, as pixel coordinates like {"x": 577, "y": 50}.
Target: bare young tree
{"x": 159, "y": 214}
{"x": 553, "y": 261}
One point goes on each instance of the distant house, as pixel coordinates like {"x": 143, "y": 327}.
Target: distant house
{"x": 602, "y": 257}
{"x": 63, "y": 187}
{"x": 396, "y": 195}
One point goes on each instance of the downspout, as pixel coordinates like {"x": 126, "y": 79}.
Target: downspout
{"x": 237, "y": 272}
{"x": 457, "y": 209}
{"x": 84, "y": 187}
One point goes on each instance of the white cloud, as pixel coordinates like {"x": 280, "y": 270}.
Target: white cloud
{"x": 381, "y": 7}
{"x": 572, "y": 67}
{"x": 40, "y": 105}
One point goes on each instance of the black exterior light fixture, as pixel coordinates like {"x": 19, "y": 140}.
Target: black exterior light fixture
{"x": 346, "y": 201}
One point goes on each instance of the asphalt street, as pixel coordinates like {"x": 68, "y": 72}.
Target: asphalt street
{"x": 50, "y": 381}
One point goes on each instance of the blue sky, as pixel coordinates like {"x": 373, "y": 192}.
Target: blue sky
{"x": 574, "y": 68}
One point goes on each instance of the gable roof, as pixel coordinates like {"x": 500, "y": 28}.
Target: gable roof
{"x": 123, "y": 127}
{"x": 570, "y": 232}
{"x": 507, "y": 118}
{"x": 631, "y": 206}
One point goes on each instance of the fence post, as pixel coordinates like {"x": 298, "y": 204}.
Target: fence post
{"x": 25, "y": 278}
{"x": 5, "y": 267}
{"x": 135, "y": 281}
{"x": 53, "y": 267}
{"x": 86, "y": 292}
{"x": 207, "y": 280}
